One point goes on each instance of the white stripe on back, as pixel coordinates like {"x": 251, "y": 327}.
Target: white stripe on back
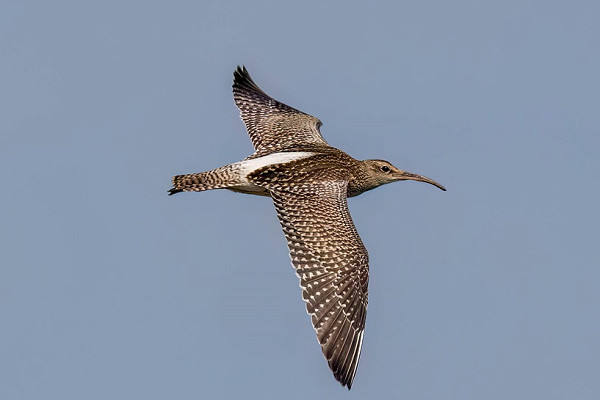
{"x": 249, "y": 166}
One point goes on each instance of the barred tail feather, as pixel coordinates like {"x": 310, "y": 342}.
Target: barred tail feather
{"x": 188, "y": 183}
{"x": 219, "y": 178}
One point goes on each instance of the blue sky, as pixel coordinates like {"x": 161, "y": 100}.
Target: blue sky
{"x": 111, "y": 289}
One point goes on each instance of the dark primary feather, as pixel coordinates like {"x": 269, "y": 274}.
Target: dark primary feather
{"x": 272, "y": 125}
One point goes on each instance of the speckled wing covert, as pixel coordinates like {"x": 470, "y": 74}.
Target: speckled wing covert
{"x": 329, "y": 257}
{"x": 272, "y": 125}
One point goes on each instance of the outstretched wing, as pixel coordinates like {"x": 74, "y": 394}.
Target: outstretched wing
{"x": 272, "y": 125}
{"x": 330, "y": 260}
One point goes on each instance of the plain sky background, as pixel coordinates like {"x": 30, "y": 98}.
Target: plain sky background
{"x": 110, "y": 289}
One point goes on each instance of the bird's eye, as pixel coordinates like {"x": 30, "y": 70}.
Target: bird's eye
{"x": 385, "y": 168}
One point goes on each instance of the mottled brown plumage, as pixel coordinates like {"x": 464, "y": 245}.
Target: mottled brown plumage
{"x": 309, "y": 182}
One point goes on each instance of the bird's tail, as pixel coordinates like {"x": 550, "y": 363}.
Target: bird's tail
{"x": 219, "y": 178}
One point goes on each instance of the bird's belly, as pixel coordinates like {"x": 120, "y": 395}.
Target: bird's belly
{"x": 250, "y": 188}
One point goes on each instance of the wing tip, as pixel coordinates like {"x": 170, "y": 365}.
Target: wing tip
{"x": 241, "y": 73}
{"x": 345, "y": 364}
{"x": 243, "y": 81}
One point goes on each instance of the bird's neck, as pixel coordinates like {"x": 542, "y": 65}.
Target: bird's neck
{"x": 362, "y": 181}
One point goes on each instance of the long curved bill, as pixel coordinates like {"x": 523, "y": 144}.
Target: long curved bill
{"x": 408, "y": 176}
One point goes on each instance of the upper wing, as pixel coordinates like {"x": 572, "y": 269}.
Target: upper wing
{"x": 331, "y": 262}
{"x": 271, "y": 125}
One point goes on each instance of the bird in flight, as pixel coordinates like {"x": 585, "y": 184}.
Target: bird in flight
{"x": 309, "y": 182}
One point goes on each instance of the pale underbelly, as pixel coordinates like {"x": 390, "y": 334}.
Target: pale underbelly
{"x": 250, "y": 189}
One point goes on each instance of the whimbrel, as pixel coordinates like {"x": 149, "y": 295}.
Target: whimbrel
{"x": 309, "y": 182}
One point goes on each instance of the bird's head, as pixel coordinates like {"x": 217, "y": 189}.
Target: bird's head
{"x": 380, "y": 172}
